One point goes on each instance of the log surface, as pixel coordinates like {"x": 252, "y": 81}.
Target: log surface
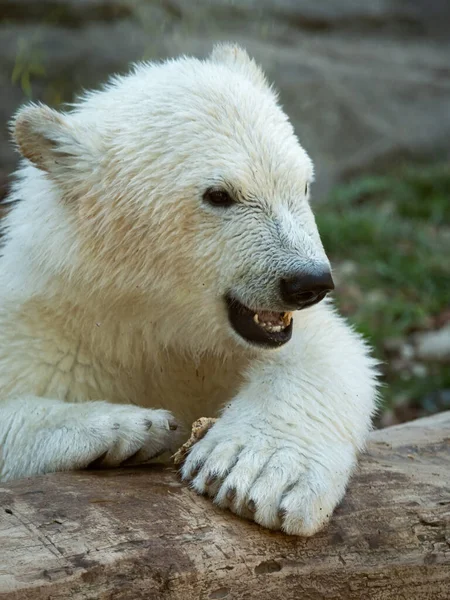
{"x": 140, "y": 533}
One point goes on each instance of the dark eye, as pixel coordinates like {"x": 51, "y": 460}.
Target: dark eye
{"x": 306, "y": 189}
{"x": 218, "y": 197}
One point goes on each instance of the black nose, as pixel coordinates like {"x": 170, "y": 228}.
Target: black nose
{"x": 305, "y": 289}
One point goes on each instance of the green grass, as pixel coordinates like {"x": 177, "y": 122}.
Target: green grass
{"x": 394, "y": 231}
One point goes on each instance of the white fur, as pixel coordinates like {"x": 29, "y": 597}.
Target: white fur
{"x": 112, "y": 278}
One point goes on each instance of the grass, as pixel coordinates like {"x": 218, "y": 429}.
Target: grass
{"x": 389, "y": 238}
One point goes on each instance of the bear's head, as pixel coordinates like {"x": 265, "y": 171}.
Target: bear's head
{"x": 178, "y": 193}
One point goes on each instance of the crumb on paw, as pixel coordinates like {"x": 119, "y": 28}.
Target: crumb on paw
{"x": 200, "y": 427}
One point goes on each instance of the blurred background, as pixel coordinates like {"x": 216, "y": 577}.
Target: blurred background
{"x": 367, "y": 86}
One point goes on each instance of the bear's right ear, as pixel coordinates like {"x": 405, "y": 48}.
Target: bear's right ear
{"x": 54, "y": 142}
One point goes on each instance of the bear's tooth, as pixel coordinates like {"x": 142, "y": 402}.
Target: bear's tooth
{"x": 286, "y": 318}
{"x": 256, "y": 318}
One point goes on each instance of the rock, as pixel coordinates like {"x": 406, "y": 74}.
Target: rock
{"x": 407, "y": 351}
{"x": 433, "y": 345}
{"x": 393, "y": 345}
{"x": 419, "y": 370}
{"x": 436, "y": 401}
{"x": 365, "y": 83}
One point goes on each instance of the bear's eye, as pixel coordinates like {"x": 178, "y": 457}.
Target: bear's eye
{"x": 306, "y": 189}
{"x": 218, "y": 197}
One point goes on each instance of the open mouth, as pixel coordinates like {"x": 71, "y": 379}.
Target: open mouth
{"x": 262, "y": 327}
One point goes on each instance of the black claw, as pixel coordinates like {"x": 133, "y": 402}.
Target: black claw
{"x": 251, "y": 506}
{"x": 196, "y": 470}
{"x": 282, "y": 513}
{"x": 157, "y": 454}
{"x": 231, "y": 494}
{"x": 148, "y": 424}
{"x": 129, "y": 460}
{"x": 212, "y": 478}
{"x": 97, "y": 462}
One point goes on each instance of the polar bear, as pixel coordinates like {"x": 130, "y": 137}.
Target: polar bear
{"x": 162, "y": 263}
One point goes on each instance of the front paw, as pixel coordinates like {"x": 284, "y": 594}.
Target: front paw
{"x": 128, "y": 435}
{"x": 274, "y": 481}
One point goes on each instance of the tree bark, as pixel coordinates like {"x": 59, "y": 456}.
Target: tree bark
{"x": 141, "y": 534}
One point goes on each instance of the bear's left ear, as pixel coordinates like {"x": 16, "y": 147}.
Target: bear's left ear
{"x": 54, "y": 142}
{"x": 236, "y": 57}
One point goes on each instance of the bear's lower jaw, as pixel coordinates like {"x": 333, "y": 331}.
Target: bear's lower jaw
{"x": 261, "y": 328}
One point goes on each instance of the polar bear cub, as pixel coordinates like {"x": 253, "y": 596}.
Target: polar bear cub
{"x": 162, "y": 263}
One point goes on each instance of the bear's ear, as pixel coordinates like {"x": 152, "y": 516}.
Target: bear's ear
{"x": 236, "y": 57}
{"x": 52, "y": 141}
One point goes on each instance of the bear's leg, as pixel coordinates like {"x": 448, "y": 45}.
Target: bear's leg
{"x": 284, "y": 449}
{"x": 41, "y": 435}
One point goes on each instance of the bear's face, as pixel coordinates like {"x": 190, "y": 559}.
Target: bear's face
{"x": 188, "y": 191}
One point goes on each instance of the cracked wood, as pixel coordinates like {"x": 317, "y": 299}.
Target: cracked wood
{"x": 140, "y": 533}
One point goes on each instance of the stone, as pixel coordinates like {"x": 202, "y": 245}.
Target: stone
{"x": 366, "y": 83}
{"x": 433, "y": 345}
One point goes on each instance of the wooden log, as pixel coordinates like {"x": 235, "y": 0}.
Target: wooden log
{"x": 141, "y": 534}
